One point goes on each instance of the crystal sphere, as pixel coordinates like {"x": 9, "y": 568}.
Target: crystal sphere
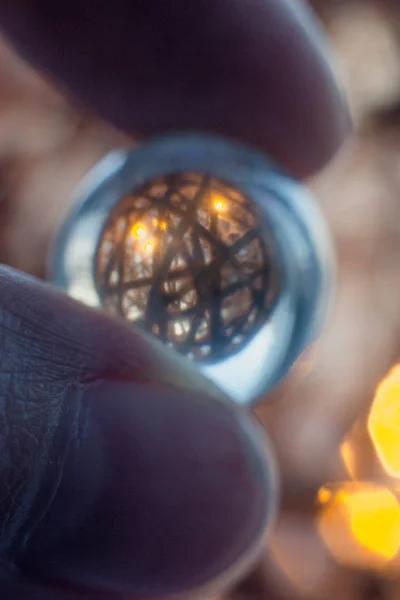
{"x": 190, "y": 259}
{"x": 209, "y": 248}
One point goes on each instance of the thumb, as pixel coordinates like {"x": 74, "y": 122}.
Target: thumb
{"x": 119, "y": 471}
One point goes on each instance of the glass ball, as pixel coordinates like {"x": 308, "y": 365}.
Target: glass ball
{"x": 189, "y": 259}
{"x": 207, "y": 246}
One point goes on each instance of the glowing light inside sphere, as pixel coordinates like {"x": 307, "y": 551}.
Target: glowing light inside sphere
{"x": 219, "y": 202}
{"x": 191, "y": 260}
{"x": 138, "y": 231}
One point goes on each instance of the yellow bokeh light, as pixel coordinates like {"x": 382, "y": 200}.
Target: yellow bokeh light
{"x": 360, "y": 524}
{"x": 375, "y": 520}
{"x": 138, "y": 231}
{"x": 384, "y": 422}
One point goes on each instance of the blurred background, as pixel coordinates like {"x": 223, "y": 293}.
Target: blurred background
{"x": 336, "y": 421}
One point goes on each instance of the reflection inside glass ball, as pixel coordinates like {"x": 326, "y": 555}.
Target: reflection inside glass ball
{"x": 189, "y": 259}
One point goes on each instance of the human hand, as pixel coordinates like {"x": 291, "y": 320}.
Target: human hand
{"x": 102, "y": 431}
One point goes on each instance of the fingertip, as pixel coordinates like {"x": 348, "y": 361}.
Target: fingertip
{"x": 258, "y": 72}
{"x": 124, "y": 485}
{"x": 185, "y": 489}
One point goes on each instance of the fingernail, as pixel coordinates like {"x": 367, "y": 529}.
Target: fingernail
{"x": 163, "y": 492}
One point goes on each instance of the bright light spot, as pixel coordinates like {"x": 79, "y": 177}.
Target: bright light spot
{"x": 360, "y": 524}
{"x": 138, "y": 231}
{"x": 384, "y": 422}
{"x": 348, "y": 457}
{"x": 375, "y": 520}
{"x": 148, "y": 246}
{"x": 161, "y": 224}
{"x": 219, "y": 202}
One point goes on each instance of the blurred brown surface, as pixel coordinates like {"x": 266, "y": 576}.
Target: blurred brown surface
{"x": 45, "y": 148}
{"x": 333, "y": 385}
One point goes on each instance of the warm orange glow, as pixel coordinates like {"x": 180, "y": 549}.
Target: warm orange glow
{"x": 384, "y": 422}
{"x": 375, "y": 520}
{"x": 148, "y": 246}
{"x": 348, "y": 457}
{"x": 324, "y": 495}
{"x": 138, "y": 231}
{"x": 161, "y": 224}
{"x": 360, "y": 524}
{"x": 219, "y": 202}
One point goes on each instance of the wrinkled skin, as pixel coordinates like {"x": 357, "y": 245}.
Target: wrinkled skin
{"x": 123, "y": 474}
